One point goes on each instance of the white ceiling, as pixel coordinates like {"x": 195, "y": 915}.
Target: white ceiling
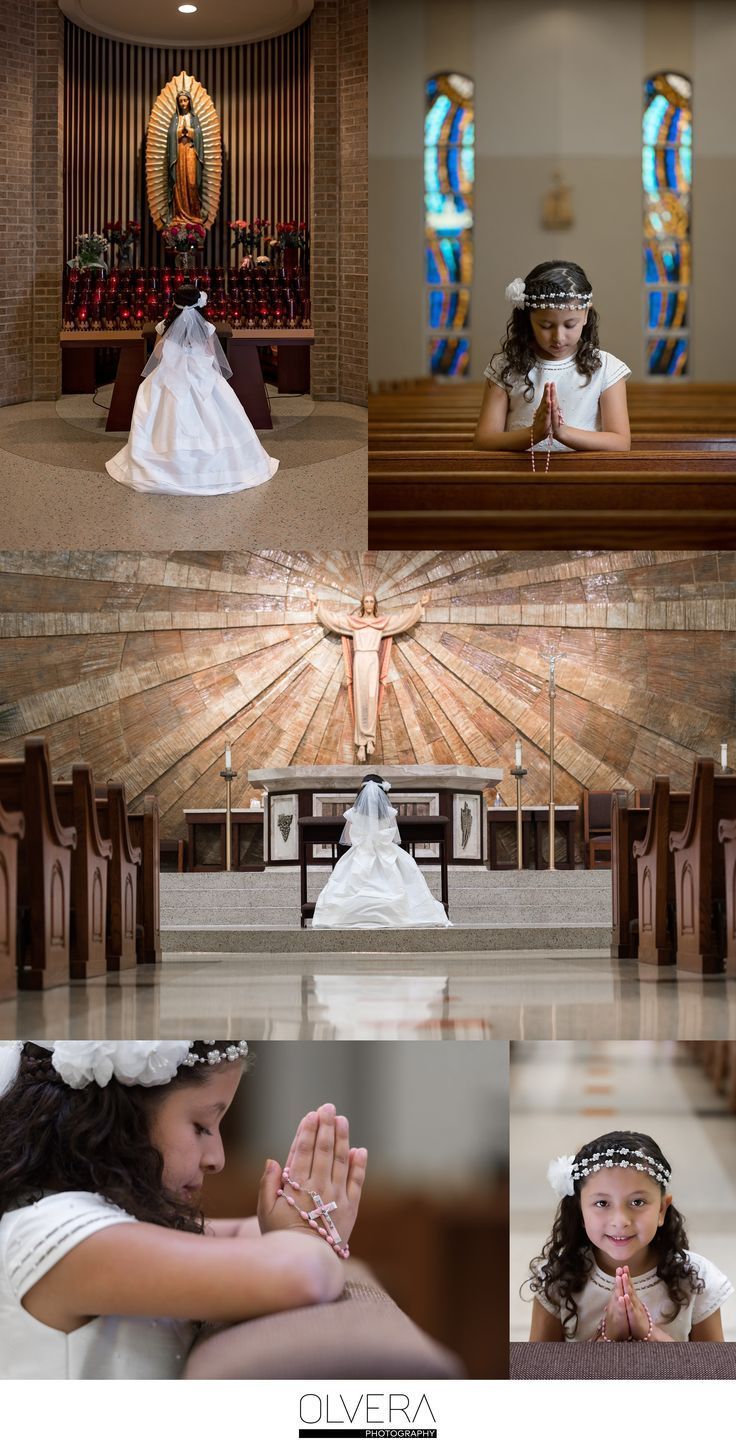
{"x": 217, "y": 22}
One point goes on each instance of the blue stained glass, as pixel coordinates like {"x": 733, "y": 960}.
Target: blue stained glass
{"x": 674, "y": 127}
{"x": 655, "y": 299}
{"x": 649, "y": 169}
{"x": 435, "y": 309}
{"x": 653, "y": 117}
{"x": 451, "y": 256}
{"x": 432, "y": 270}
{"x": 686, "y": 139}
{"x": 686, "y": 163}
{"x": 468, "y": 159}
{"x": 651, "y": 273}
{"x": 670, "y": 158}
{"x": 435, "y": 120}
{"x": 456, "y": 127}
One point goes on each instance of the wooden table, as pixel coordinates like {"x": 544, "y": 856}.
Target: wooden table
{"x": 293, "y": 346}
{"x": 535, "y": 832}
{"x": 241, "y": 345}
{"x": 207, "y": 849}
{"x": 79, "y": 376}
{"x": 327, "y": 831}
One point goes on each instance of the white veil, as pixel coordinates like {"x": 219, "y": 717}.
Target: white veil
{"x": 191, "y": 340}
{"x": 370, "y": 813}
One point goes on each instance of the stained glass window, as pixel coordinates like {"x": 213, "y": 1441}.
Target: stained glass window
{"x": 667, "y": 176}
{"x": 449, "y": 157}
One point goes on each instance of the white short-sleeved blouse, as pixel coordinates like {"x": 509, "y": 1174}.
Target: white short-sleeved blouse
{"x": 35, "y": 1238}
{"x": 598, "y": 1289}
{"x": 579, "y": 398}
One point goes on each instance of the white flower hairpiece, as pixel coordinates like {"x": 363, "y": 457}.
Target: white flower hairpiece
{"x": 386, "y": 786}
{"x": 516, "y": 292}
{"x": 202, "y": 299}
{"x": 146, "y": 1062}
{"x": 559, "y": 1175}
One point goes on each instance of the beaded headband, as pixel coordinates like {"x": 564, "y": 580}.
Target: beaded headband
{"x": 563, "y": 1172}
{"x": 200, "y": 303}
{"x": 517, "y": 294}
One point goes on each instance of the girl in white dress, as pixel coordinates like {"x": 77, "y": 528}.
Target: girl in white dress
{"x": 551, "y": 386}
{"x": 617, "y": 1266}
{"x": 376, "y": 884}
{"x": 189, "y": 433}
{"x": 106, "y": 1262}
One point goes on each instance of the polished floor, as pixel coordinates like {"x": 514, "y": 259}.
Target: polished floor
{"x": 567, "y": 1093}
{"x": 525, "y": 995}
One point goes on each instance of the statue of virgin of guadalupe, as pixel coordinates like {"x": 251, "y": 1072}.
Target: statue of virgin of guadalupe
{"x": 185, "y": 160}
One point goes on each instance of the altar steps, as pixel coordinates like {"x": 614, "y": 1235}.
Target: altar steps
{"x": 490, "y": 912}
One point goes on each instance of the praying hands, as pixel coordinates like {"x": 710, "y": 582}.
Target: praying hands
{"x": 321, "y": 1163}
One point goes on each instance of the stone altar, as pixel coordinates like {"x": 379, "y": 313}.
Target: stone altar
{"x": 291, "y": 792}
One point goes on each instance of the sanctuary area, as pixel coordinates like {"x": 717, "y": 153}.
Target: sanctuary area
{"x": 185, "y": 274}
{"x": 198, "y": 748}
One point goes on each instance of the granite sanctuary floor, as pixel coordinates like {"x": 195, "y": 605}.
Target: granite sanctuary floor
{"x": 53, "y": 481}
{"x": 536, "y": 996}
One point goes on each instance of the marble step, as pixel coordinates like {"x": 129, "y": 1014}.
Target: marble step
{"x": 386, "y": 941}
{"x": 272, "y": 900}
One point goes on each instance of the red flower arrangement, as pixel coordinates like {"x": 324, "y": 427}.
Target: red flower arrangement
{"x": 184, "y": 236}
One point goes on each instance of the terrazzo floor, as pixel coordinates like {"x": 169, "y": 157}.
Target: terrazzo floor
{"x": 53, "y": 482}
{"x": 529, "y": 995}
{"x": 567, "y": 1093}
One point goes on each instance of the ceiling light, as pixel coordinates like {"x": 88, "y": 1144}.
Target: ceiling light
{"x": 187, "y": 9}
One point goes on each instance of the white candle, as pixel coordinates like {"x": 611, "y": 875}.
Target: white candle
{"x": 518, "y": 753}
{"x": 724, "y": 755}
{"x": 552, "y": 670}
{"x": 228, "y": 758}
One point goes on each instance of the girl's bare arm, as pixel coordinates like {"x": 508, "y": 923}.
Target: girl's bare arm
{"x": 227, "y": 1229}
{"x": 490, "y": 428}
{"x": 711, "y": 1329}
{"x": 614, "y": 436}
{"x": 147, "y": 1270}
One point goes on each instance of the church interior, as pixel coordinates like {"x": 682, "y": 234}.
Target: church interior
{"x": 501, "y": 137}
{"x": 218, "y": 695}
{"x": 263, "y": 209}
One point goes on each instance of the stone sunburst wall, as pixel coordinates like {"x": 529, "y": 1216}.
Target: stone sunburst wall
{"x": 144, "y": 665}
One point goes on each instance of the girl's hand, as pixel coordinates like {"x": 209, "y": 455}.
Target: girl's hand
{"x": 557, "y": 421}
{"x": 542, "y": 422}
{"x": 635, "y": 1311}
{"x": 617, "y": 1324}
{"x": 320, "y": 1159}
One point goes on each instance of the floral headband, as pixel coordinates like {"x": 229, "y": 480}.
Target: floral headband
{"x": 200, "y": 303}
{"x": 566, "y": 1169}
{"x": 146, "y": 1062}
{"x": 517, "y": 294}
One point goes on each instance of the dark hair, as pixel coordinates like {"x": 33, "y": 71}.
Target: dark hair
{"x": 186, "y": 296}
{"x": 53, "y": 1138}
{"x": 372, "y": 777}
{"x": 518, "y": 349}
{"x": 561, "y": 1271}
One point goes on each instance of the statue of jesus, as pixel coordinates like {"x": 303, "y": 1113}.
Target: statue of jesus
{"x": 367, "y": 640}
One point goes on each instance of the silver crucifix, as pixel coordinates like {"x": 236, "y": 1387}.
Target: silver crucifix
{"x": 322, "y": 1212}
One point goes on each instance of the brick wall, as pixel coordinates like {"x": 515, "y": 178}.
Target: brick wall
{"x": 30, "y": 199}
{"x": 339, "y": 60}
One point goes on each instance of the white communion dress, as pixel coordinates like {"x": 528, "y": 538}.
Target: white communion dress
{"x": 579, "y": 398}
{"x": 189, "y": 433}
{"x": 376, "y": 884}
{"x": 35, "y": 1238}
{"x": 591, "y": 1302}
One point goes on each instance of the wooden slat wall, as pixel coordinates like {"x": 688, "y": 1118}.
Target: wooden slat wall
{"x": 260, "y": 93}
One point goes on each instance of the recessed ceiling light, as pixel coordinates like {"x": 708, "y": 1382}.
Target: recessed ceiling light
{"x": 187, "y": 9}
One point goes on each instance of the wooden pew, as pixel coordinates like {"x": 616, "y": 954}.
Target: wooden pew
{"x": 727, "y": 836}
{"x": 75, "y": 802}
{"x": 123, "y": 877}
{"x": 429, "y": 487}
{"x": 628, "y": 825}
{"x": 44, "y": 868}
{"x": 655, "y": 872}
{"x": 700, "y": 886}
{"x": 12, "y": 829}
{"x": 144, "y": 827}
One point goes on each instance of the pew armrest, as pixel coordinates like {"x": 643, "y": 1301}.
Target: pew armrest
{"x": 363, "y": 1334}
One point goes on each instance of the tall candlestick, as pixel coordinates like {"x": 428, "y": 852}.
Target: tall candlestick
{"x": 228, "y": 758}
{"x": 724, "y": 755}
{"x": 551, "y": 828}
{"x": 518, "y": 753}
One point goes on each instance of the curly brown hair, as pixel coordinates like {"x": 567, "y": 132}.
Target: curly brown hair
{"x": 561, "y": 1271}
{"x": 517, "y": 349}
{"x": 53, "y": 1138}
